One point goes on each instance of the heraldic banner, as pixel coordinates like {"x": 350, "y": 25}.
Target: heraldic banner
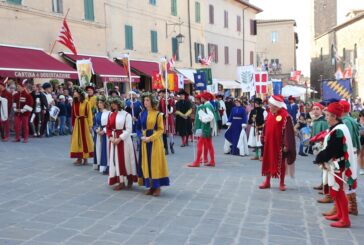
{"x": 200, "y": 81}
{"x": 85, "y": 71}
{"x": 336, "y": 89}
{"x": 245, "y": 75}
{"x": 208, "y": 75}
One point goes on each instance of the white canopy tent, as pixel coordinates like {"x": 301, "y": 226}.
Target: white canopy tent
{"x": 296, "y": 91}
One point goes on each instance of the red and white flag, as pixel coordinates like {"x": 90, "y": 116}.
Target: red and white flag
{"x": 261, "y": 82}
{"x": 65, "y": 37}
{"x": 204, "y": 61}
{"x": 171, "y": 62}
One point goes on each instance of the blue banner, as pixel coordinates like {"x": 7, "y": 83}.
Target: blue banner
{"x": 200, "y": 81}
{"x": 336, "y": 89}
{"x": 277, "y": 87}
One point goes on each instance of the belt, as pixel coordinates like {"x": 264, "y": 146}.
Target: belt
{"x": 237, "y": 118}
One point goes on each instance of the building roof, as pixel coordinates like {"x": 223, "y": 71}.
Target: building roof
{"x": 246, "y": 3}
{"x": 276, "y": 21}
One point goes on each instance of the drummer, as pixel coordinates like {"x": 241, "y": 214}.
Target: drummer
{"x": 301, "y": 123}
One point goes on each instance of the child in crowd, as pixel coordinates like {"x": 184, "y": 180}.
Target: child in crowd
{"x": 62, "y": 114}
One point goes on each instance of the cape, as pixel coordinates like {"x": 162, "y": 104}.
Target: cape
{"x": 319, "y": 125}
{"x": 353, "y": 127}
{"x": 278, "y": 132}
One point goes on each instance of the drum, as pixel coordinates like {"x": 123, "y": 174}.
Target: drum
{"x": 53, "y": 112}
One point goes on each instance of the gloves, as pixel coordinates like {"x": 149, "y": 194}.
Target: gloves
{"x": 198, "y": 132}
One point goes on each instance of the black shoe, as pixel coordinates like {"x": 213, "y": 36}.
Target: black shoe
{"x": 171, "y": 147}
{"x": 302, "y": 154}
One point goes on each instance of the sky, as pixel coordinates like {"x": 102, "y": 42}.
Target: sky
{"x": 300, "y": 10}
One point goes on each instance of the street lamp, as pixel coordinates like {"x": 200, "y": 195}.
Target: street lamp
{"x": 180, "y": 38}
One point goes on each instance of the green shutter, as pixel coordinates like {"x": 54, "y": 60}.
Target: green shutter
{"x": 153, "y": 2}
{"x": 18, "y": 2}
{"x": 154, "y": 41}
{"x": 174, "y": 7}
{"x": 128, "y": 37}
{"x": 197, "y": 12}
{"x": 89, "y": 10}
{"x": 175, "y": 50}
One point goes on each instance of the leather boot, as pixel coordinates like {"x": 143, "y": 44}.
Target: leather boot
{"x": 325, "y": 199}
{"x": 265, "y": 184}
{"x": 353, "y": 206}
{"x": 319, "y": 187}
{"x": 330, "y": 212}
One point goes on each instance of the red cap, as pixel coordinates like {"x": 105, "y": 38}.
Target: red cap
{"x": 291, "y": 98}
{"x": 206, "y": 96}
{"x": 345, "y": 105}
{"x": 277, "y": 100}
{"x": 335, "y": 108}
{"x": 318, "y": 105}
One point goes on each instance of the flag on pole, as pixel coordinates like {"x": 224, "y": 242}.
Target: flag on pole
{"x": 171, "y": 62}
{"x": 65, "y": 37}
{"x": 172, "y": 82}
{"x": 126, "y": 63}
{"x": 200, "y": 81}
{"x": 261, "y": 82}
{"x": 181, "y": 81}
{"x": 157, "y": 81}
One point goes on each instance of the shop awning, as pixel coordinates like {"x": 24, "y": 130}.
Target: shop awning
{"x": 106, "y": 69}
{"x": 229, "y": 84}
{"x": 25, "y": 62}
{"x": 187, "y": 73}
{"x": 144, "y": 68}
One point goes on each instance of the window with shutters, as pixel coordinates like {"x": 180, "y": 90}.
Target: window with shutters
{"x": 174, "y": 7}
{"x": 251, "y": 57}
{"x": 212, "y": 50}
{"x": 211, "y": 14}
{"x": 253, "y": 27}
{"x": 199, "y": 52}
{"x": 274, "y": 37}
{"x": 226, "y": 55}
{"x": 238, "y": 23}
{"x": 153, "y": 2}
{"x": 226, "y": 19}
{"x": 18, "y": 2}
{"x": 197, "y": 12}
{"x": 154, "y": 41}
{"x": 238, "y": 56}
{"x": 89, "y": 10}
{"x": 128, "y": 37}
{"x": 175, "y": 48}
{"x": 57, "y": 6}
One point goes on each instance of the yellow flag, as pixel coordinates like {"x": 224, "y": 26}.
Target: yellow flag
{"x": 171, "y": 82}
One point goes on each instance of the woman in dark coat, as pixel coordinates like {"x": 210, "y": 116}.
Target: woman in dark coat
{"x": 183, "y": 117}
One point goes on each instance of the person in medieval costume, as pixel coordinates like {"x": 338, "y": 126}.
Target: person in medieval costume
{"x": 101, "y": 142}
{"x": 45, "y": 119}
{"x": 354, "y": 128}
{"x": 235, "y": 136}
{"x": 338, "y": 163}
{"x": 153, "y": 168}
{"x": 168, "y": 110}
{"x": 133, "y": 106}
{"x": 23, "y": 106}
{"x": 293, "y": 109}
{"x": 91, "y": 98}
{"x": 256, "y": 120}
{"x": 40, "y": 110}
{"x": 222, "y": 111}
{"x": 319, "y": 124}
{"x": 6, "y": 99}
{"x": 183, "y": 117}
{"x": 82, "y": 145}
{"x": 205, "y": 127}
{"x": 122, "y": 157}
{"x": 279, "y": 143}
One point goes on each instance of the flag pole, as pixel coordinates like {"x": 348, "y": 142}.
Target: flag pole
{"x": 167, "y": 82}
{"x": 130, "y": 81}
{"x": 55, "y": 41}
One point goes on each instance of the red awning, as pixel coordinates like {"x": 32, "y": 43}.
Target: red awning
{"x": 106, "y": 69}
{"x": 25, "y": 62}
{"x": 145, "y": 68}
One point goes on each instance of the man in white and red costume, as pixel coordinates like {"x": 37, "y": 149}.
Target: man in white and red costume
{"x": 23, "y": 106}
{"x": 279, "y": 143}
{"x": 5, "y": 108}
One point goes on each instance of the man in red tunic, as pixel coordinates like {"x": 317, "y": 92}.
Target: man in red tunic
{"x": 279, "y": 143}
{"x": 5, "y": 107}
{"x": 23, "y": 106}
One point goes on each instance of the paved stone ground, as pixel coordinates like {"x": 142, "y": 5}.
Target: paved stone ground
{"x": 44, "y": 199}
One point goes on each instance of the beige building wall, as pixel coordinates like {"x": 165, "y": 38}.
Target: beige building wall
{"x": 34, "y": 24}
{"x": 229, "y": 37}
{"x": 284, "y": 48}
